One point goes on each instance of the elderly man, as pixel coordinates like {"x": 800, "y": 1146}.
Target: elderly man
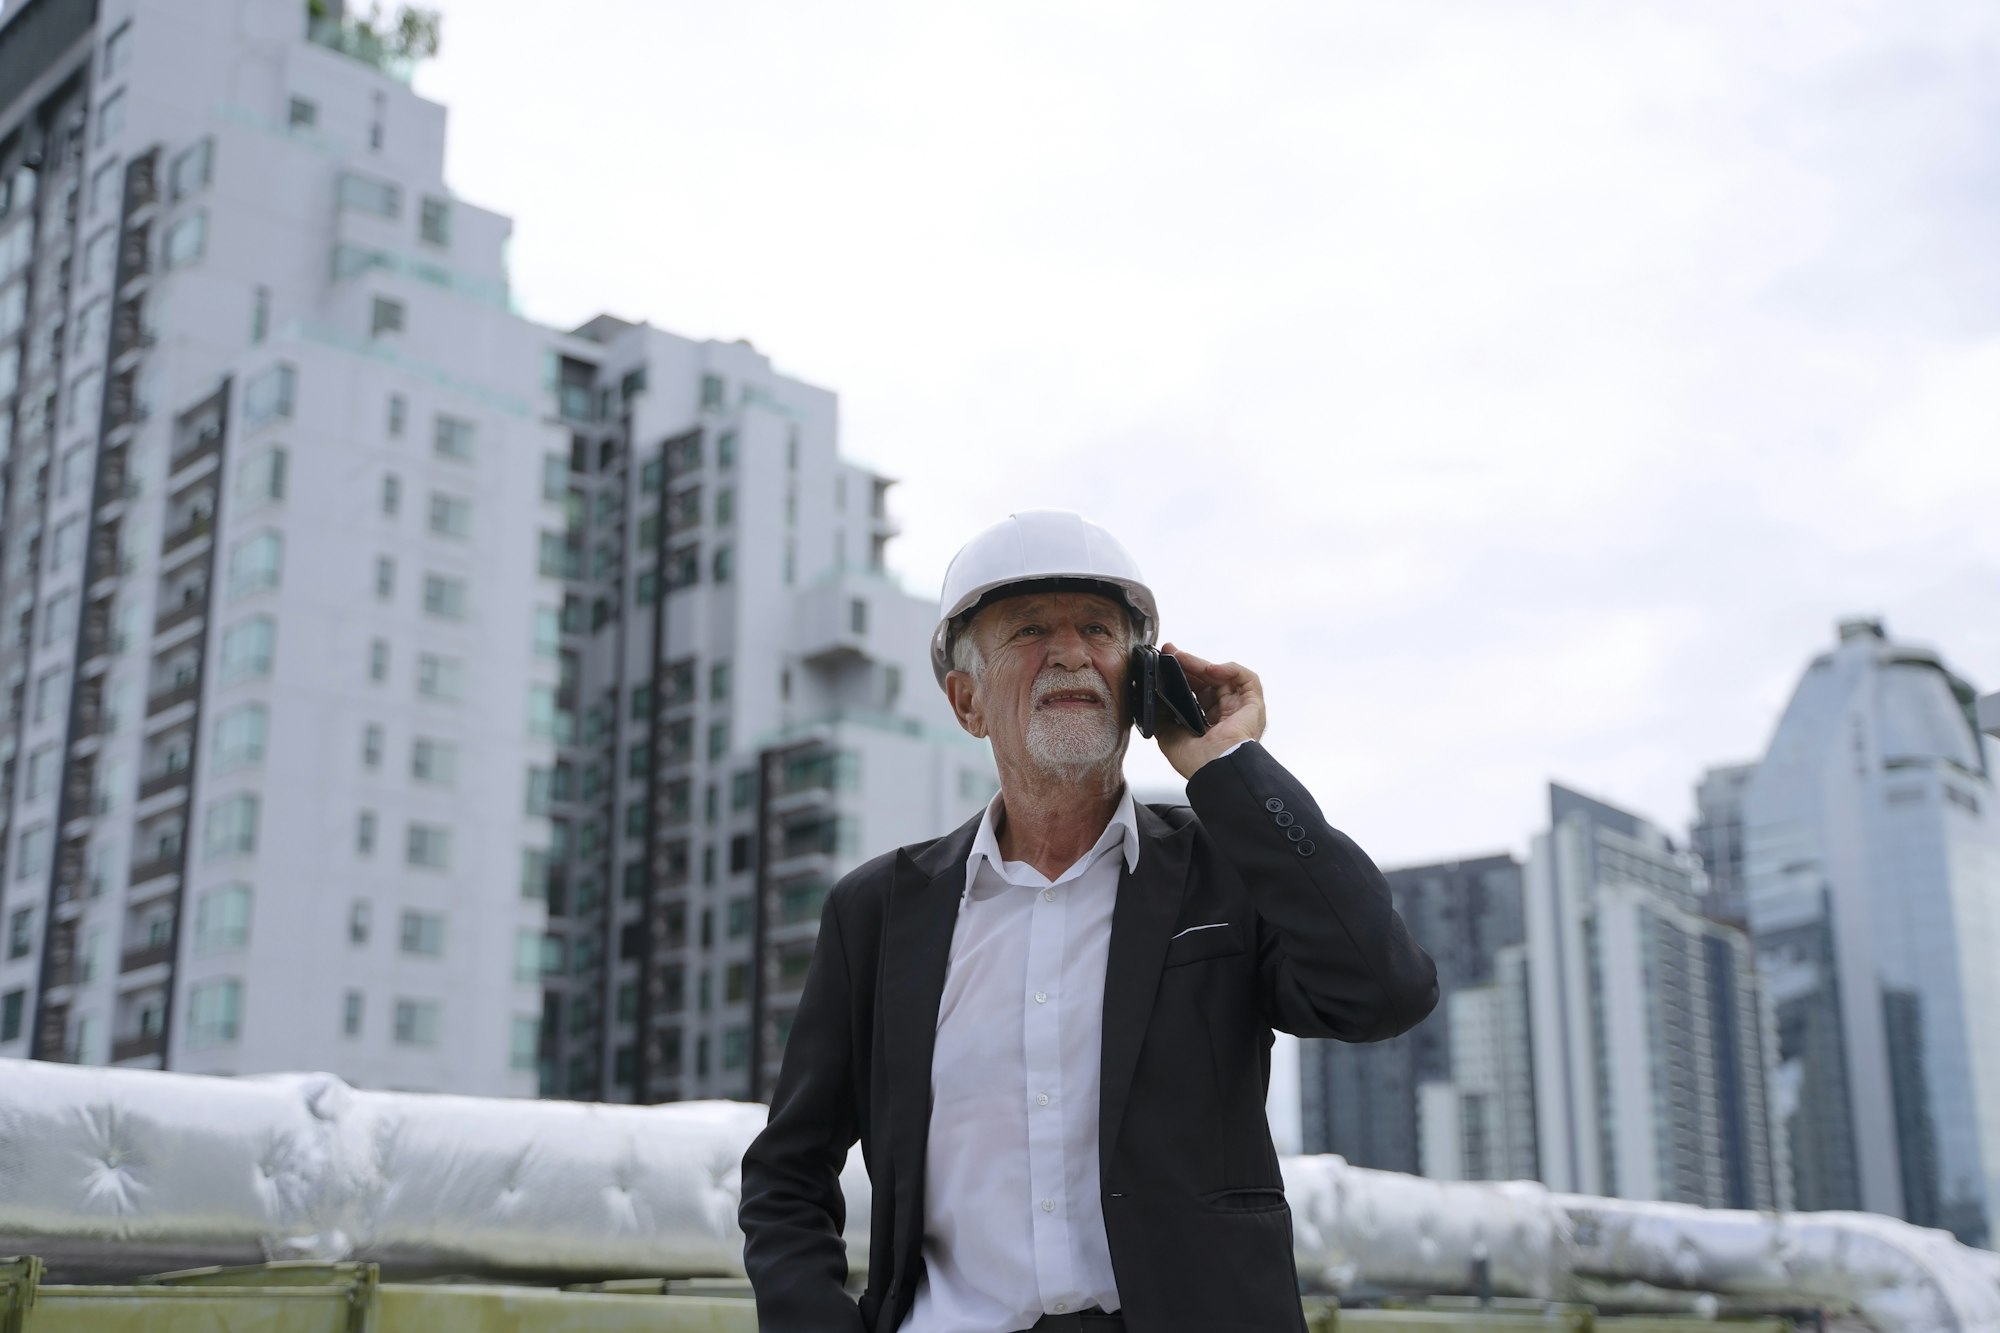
{"x": 1051, "y": 1030}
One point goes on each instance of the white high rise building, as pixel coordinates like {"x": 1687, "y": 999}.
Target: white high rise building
{"x": 1651, "y": 1036}
{"x": 398, "y": 687}
{"x": 1872, "y": 870}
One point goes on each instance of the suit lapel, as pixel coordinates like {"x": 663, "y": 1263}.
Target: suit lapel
{"x": 923, "y": 909}
{"x": 1142, "y": 922}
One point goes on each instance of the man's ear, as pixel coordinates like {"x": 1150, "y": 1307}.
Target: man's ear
{"x": 964, "y": 696}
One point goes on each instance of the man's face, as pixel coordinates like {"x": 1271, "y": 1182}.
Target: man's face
{"x": 1049, "y": 686}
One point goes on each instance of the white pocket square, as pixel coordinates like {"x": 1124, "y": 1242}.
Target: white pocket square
{"x": 1213, "y": 925}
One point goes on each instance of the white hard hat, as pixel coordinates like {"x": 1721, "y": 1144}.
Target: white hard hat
{"x": 1037, "y": 546}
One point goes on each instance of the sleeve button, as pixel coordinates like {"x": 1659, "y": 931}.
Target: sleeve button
{"x": 1274, "y": 805}
{"x": 1295, "y": 833}
{"x": 1284, "y": 818}
{"x": 1306, "y": 847}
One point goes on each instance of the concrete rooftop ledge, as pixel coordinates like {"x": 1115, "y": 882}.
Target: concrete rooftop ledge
{"x": 112, "y": 1173}
{"x": 1989, "y": 714}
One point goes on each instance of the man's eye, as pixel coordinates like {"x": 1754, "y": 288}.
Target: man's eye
{"x": 1099, "y": 629}
{"x": 1029, "y": 629}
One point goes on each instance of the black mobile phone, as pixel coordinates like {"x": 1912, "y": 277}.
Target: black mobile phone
{"x": 1158, "y": 689}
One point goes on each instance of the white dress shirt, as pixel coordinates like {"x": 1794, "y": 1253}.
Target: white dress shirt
{"x": 1013, "y": 1222}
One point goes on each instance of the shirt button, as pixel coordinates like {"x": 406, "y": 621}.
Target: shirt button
{"x": 1041, "y": 1099}
{"x": 1041, "y": 997}
{"x": 1048, "y": 1205}
{"x": 1048, "y": 895}
{"x": 1061, "y": 1306}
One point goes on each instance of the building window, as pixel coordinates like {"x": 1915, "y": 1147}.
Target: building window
{"x": 718, "y": 740}
{"x": 260, "y": 316}
{"x": 385, "y": 316}
{"x": 239, "y": 737}
{"x": 187, "y": 240}
{"x": 303, "y": 115}
{"x": 451, "y": 516}
{"x": 215, "y": 1013}
{"x": 385, "y": 577}
{"x": 246, "y": 649}
{"x": 452, "y": 438}
{"x": 59, "y": 619}
{"x": 360, "y": 919}
{"x": 12, "y": 1004}
{"x": 742, "y": 852}
{"x": 725, "y": 563}
{"x": 41, "y": 771}
{"x": 434, "y": 222}
{"x": 548, "y": 631}
{"x": 440, "y": 677}
{"x": 110, "y": 117}
{"x": 190, "y": 169}
{"x": 269, "y": 395}
{"x": 378, "y": 660}
{"x": 371, "y": 745}
{"x": 261, "y": 479}
{"x": 527, "y": 1042}
{"x": 857, "y": 616}
{"x": 711, "y": 391}
{"x": 364, "y": 833}
{"x": 725, "y": 506}
{"x": 423, "y": 933}
{"x": 434, "y": 761}
{"x": 97, "y": 256}
{"x": 444, "y": 597}
{"x": 254, "y": 564}
{"x": 350, "y": 1014}
{"x": 428, "y": 845}
{"x": 364, "y": 194}
{"x": 222, "y": 920}
{"x": 739, "y": 918}
{"x": 21, "y": 933}
{"x": 231, "y": 828}
{"x": 117, "y": 51}
{"x": 417, "y": 1022}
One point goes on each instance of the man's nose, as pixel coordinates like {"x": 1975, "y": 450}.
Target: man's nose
{"x": 1067, "y": 649}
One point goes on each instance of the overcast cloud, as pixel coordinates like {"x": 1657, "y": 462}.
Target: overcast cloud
{"x": 1523, "y": 388}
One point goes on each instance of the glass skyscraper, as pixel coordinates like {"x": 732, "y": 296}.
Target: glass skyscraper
{"x": 1872, "y": 880}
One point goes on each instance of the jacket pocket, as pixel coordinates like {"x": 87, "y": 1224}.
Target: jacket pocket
{"x": 1248, "y": 1199}
{"x": 1216, "y": 941}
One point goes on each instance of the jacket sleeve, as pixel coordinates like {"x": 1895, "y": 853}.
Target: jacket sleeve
{"x": 1334, "y": 958}
{"x": 793, "y": 1210}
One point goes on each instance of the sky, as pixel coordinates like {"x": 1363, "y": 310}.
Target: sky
{"x": 1523, "y": 389}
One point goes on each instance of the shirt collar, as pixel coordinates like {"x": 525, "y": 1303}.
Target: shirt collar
{"x": 1122, "y": 831}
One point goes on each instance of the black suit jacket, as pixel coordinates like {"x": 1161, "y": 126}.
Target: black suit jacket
{"x": 1194, "y": 1208}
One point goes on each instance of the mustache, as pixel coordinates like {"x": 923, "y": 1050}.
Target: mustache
{"x": 1056, "y": 682}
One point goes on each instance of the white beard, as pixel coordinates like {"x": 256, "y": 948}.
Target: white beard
{"x": 1073, "y": 741}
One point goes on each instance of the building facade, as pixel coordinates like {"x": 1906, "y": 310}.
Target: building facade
{"x": 1872, "y": 876}
{"x": 1651, "y": 1035}
{"x": 398, "y": 687}
{"x": 1717, "y": 840}
{"x": 1449, "y": 1098}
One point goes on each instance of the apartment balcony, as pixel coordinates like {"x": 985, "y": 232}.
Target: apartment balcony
{"x": 138, "y": 1047}
{"x": 164, "y": 781}
{"x": 172, "y": 697}
{"x": 832, "y": 624}
{"x": 185, "y": 536}
{"x": 205, "y": 443}
{"x": 159, "y": 867}
{"x": 145, "y": 956}
{"x": 181, "y": 615}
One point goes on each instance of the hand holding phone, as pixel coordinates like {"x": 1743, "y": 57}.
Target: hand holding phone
{"x": 1158, "y": 691}
{"x": 1230, "y": 700}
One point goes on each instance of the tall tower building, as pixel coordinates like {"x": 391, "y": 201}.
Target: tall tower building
{"x": 1872, "y": 871}
{"x": 1650, "y": 1031}
{"x": 1717, "y": 839}
{"x": 1452, "y": 1097}
{"x": 399, "y": 687}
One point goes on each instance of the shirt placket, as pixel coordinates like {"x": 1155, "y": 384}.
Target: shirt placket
{"x": 1049, "y": 1205}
